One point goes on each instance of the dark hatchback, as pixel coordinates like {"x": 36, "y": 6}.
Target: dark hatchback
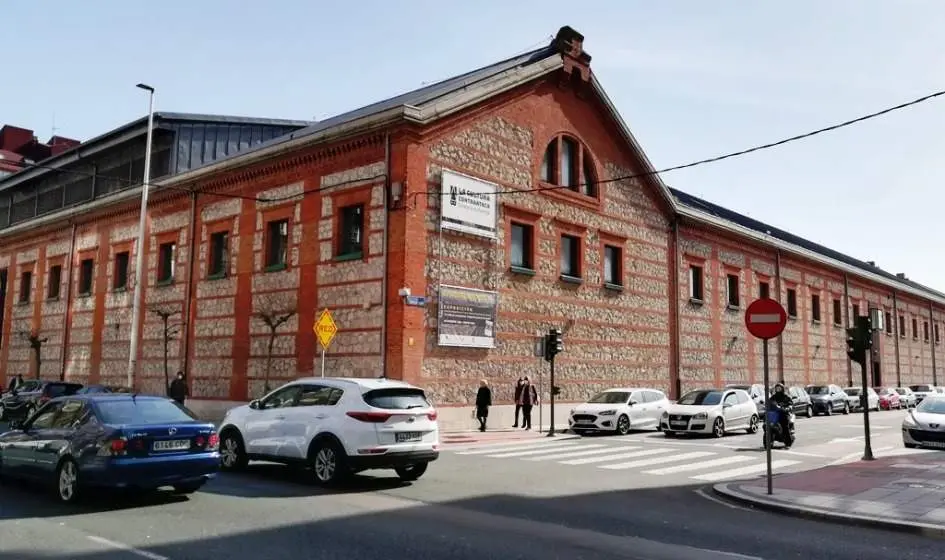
{"x": 121, "y": 441}
{"x": 21, "y": 404}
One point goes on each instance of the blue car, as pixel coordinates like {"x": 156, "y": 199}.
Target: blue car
{"x": 121, "y": 441}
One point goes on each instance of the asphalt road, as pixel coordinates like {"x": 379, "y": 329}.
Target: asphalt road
{"x": 467, "y": 506}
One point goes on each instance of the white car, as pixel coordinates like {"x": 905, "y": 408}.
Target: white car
{"x": 925, "y": 426}
{"x": 711, "y": 411}
{"x": 620, "y": 411}
{"x": 854, "y": 395}
{"x": 921, "y": 391}
{"x": 906, "y": 397}
{"x": 336, "y": 426}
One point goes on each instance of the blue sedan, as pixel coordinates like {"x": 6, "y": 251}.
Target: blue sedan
{"x": 111, "y": 440}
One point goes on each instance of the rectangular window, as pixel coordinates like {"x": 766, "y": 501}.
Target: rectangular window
{"x": 732, "y": 290}
{"x": 854, "y": 311}
{"x": 570, "y": 256}
{"x": 86, "y": 276}
{"x": 120, "y": 273}
{"x": 54, "y": 283}
{"x": 351, "y": 236}
{"x": 792, "y": 302}
{"x": 167, "y": 262}
{"x": 925, "y": 330}
{"x": 219, "y": 251}
{"x": 889, "y": 323}
{"x": 277, "y": 249}
{"x": 764, "y": 290}
{"x": 696, "y": 287}
{"x": 815, "y": 308}
{"x": 613, "y": 265}
{"x": 26, "y": 285}
{"x": 915, "y": 328}
{"x": 837, "y": 312}
{"x": 937, "y": 339}
{"x": 902, "y": 326}
{"x": 522, "y": 235}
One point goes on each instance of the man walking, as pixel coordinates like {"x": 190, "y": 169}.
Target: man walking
{"x": 529, "y": 399}
{"x": 178, "y": 389}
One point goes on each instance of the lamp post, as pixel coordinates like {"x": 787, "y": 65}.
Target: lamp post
{"x": 139, "y": 250}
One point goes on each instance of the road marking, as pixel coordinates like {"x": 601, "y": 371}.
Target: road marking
{"x": 701, "y": 492}
{"x": 538, "y": 451}
{"x": 503, "y": 448}
{"x": 126, "y": 548}
{"x": 617, "y": 457}
{"x": 744, "y": 471}
{"x": 657, "y": 460}
{"x": 802, "y": 454}
{"x": 699, "y": 466}
{"x": 570, "y": 454}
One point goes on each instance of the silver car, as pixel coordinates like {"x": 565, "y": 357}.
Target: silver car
{"x": 906, "y": 397}
{"x": 925, "y": 426}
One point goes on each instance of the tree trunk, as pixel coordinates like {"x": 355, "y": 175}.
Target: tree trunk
{"x": 39, "y": 361}
{"x": 272, "y": 342}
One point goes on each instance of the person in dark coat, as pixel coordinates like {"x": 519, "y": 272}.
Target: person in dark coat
{"x": 519, "y": 386}
{"x": 529, "y": 399}
{"x": 178, "y": 389}
{"x": 483, "y": 402}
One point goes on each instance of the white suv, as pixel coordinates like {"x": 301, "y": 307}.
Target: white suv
{"x": 337, "y": 426}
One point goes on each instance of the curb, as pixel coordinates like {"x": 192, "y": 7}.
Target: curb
{"x": 728, "y": 492}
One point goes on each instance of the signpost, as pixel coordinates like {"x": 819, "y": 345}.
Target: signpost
{"x": 765, "y": 319}
{"x": 325, "y": 330}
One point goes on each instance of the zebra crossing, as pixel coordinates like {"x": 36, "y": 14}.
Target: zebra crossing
{"x": 702, "y": 465}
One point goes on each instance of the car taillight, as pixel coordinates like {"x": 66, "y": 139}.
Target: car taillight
{"x": 113, "y": 448}
{"x": 432, "y": 414}
{"x": 214, "y": 442}
{"x": 372, "y": 417}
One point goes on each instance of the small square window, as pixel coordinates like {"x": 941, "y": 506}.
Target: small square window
{"x": 696, "y": 287}
{"x": 815, "y": 307}
{"x": 54, "y": 284}
{"x": 219, "y": 253}
{"x": 351, "y": 235}
{"x": 120, "y": 273}
{"x": 277, "y": 247}
{"x": 792, "y": 302}
{"x": 26, "y": 285}
{"x": 570, "y": 256}
{"x": 86, "y": 276}
{"x": 613, "y": 265}
{"x": 167, "y": 262}
{"x": 764, "y": 290}
{"x": 837, "y": 312}
{"x": 732, "y": 286}
{"x": 521, "y": 246}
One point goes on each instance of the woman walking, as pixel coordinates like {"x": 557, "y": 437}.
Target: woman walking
{"x": 483, "y": 402}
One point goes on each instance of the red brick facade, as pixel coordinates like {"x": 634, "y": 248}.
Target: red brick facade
{"x": 647, "y": 331}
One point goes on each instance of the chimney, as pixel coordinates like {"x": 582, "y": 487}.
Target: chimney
{"x": 570, "y": 44}
{"x": 901, "y": 275}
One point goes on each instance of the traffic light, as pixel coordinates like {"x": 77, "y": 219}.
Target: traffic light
{"x": 554, "y": 344}
{"x": 859, "y": 340}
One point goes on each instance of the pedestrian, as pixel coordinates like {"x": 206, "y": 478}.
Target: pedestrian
{"x": 529, "y": 399}
{"x": 519, "y": 385}
{"x": 15, "y": 383}
{"x": 483, "y": 402}
{"x": 178, "y": 389}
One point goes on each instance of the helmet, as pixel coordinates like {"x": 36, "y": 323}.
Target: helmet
{"x": 779, "y": 386}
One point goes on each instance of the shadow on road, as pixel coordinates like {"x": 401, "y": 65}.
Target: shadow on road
{"x": 270, "y": 480}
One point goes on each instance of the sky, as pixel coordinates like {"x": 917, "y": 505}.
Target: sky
{"x": 692, "y": 79}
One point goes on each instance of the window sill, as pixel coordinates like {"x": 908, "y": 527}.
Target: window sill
{"x": 22, "y": 303}
{"x": 613, "y": 287}
{"x": 732, "y": 307}
{"x": 52, "y": 299}
{"x": 84, "y": 295}
{"x": 837, "y": 325}
{"x": 567, "y": 279}
{"x": 216, "y": 276}
{"x": 275, "y": 267}
{"x": 119, "y": 290}
{"x": 792, "y": 317}
{"x": 164, "y": 283}
{"x": 524, "y": 271}
{"x": 815, "y": 321}
{"x": 696, "y": 301}
{"x": 349, "y": 257}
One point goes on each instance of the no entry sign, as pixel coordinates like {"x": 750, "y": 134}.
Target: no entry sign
{"x": 765, "y": 318}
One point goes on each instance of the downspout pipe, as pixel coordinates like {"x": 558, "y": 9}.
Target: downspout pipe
{"x": 846, "y": 323}
{"x": 896, "y": 335}
{"x": 387, "y": 199}
{"x": 777, "y": 281}
{"x": 186, "y": 319}
{"x": 67, "y": 314}
{"x": 677, "y": 340}
{"x": 932, "y": 343}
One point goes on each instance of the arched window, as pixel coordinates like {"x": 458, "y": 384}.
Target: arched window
{"x": 568, "y": 163}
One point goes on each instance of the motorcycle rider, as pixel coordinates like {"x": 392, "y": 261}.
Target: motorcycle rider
{"x": 785, "y": 402}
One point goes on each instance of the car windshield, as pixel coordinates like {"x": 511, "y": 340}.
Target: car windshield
{"x": 701, "y": 398}
{"x": 54, "y": 390}
{"x": 818, "y": 390}
{"x": 401, "y": 398}
{"x": 932, "y": 406}
{"x": 923, "y": 388}
{"x": 610, "y": 397}
{"x": 852, "y": 392}
{"x": 142, "y": 411}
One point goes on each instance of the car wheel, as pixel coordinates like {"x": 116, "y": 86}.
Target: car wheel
{"x": 718, "y": 428}
{"x": 232, "y": 452}
{"x": 623, "y": 425}
{"x": 809, "y": 411}
{"x": 828, "y": 410}
{"x": 411, "y": 472}
{"x": 752, "y": 424}
{"x": 188, "y": 488}
{"x": 328, "y": 463}
{"x": 67, "y": 481}
{"x": 910, "y": 445}
{"x": 846, "y": 408}
{"x": 667, "y": 433}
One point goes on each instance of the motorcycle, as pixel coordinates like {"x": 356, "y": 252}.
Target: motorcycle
{"x": 773, "y": 423}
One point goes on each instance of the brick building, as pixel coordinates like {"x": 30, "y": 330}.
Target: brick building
{"x": 444, "y": 228}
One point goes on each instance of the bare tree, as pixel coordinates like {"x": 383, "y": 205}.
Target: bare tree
{"x": 33, "y": 338}
{"x": 169, "y": 333}
{"x": 273, "y": 315}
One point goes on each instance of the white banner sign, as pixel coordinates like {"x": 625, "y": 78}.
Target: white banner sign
{"x": 468, "y": 205}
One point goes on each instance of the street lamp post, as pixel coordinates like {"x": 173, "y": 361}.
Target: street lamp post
{"x": 139, "y": 258}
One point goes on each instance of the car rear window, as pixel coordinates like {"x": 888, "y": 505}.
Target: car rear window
{"x": 922, "y": 388}
{"x": 396, "y": 399}
{"x": 54, "y": 390}
{"x": 131, "y": 411}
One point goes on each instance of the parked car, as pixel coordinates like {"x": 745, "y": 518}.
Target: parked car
{"x": 98, "y": 389}
{"x": 29, "y": 385}
{"x": 711, "y": 411}
{"x": 337, "y": 426}
{"x": 888, "y": 398}
{"x": 921, "y": 391}
{"x": 756, "y": 391}
{"x": 922, "y": 427}
{"x": 906, "y": 397}
{"x": 855, "y": 398}
{"x": 619, "y": 411}
{"x": 22, "y": 404}
{"x": 116, "y": 441}
{"x": 828, "y": 399}
{"x": 802, "y": 402}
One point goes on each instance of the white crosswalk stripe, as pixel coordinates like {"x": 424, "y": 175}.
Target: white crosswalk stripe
{"x": 702, "y": 465}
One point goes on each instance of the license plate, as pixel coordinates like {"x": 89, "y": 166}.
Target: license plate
{"x": 677, "y": 424}
{"x": 935, "y": 444}
{"x": 171, "y": 445}
{"x": 404, "y": 437}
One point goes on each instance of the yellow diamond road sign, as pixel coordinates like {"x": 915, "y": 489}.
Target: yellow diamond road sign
{"x": 325, "y": 329}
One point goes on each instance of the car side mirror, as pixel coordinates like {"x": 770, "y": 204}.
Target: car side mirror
{"x": 255, "y": 404}
{"x": 632, "y": 402}
{"x": 726, "y": 405}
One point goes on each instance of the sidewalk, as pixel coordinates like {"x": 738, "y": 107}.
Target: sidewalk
{"x": 499, "y": 435}
{"x": 904, "y": 492}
